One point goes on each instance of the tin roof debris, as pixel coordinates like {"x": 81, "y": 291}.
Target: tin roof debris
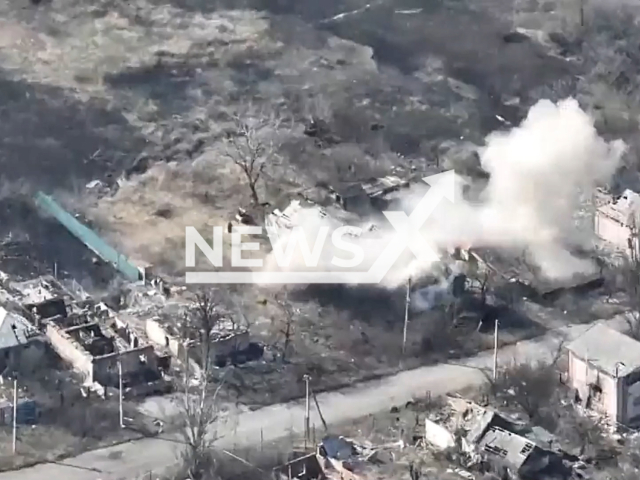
{"x": 298, "y": 215}
{"x": 487, "y": 435}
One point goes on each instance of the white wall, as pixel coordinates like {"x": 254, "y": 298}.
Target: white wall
{"x": 581, "y": 375}
{"x": 70, "y": 351}
{"x": 611, "y": 231}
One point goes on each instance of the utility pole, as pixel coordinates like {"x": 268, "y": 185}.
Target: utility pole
{"x": 307, "y": 411}
{"x": 15, "y": 414}
{"x": 495, "y": 352}
{"x": 407, "y": 303}
{"x": 120, "y": 392}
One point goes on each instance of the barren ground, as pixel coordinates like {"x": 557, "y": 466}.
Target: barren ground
{"x": 88, "y": 91}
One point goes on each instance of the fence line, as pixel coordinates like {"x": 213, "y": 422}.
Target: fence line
{"x": 87, "y": 236}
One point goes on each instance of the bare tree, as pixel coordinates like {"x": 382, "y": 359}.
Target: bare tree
{"x": 198, "y": 409}
{"x": 252, "y": 144}
{"x": 530, "y": 386}
{"x": 198, "y": 327}
{"x": 288, "y": 329}
{"x": 199, "y": 414}
{"x": 629, "y": 274}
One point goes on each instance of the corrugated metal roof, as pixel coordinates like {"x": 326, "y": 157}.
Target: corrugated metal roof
{"x": 512, "y": 448}
{"x": 604, "y": 348}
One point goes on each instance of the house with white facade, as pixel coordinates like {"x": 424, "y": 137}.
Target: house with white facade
{"x": 617, "y": 222}
{"x": 604, "y": 369}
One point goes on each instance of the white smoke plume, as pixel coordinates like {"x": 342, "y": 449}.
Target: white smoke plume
{"x": 539, "y": 172}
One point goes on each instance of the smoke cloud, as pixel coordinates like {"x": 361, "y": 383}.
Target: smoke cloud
{"x": 539, "y": 171}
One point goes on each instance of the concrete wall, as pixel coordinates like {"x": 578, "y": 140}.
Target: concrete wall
{"x": 612, "y": 231}
{"x": 160, "y": 336}
{"x": 222, "y": 347}
{"x": 226, "y": 346}
{"x": 130, "y": 360}
{"x": 582, "y": 374}
{"x": 70, "y": 351}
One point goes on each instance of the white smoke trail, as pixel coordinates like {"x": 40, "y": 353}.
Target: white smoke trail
{"x": 539, "y": 171}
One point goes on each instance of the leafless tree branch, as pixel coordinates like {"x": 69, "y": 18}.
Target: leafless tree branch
{"x": 252, "y": 145}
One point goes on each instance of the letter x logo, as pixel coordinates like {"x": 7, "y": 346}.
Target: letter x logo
{"x": 408, "y": 227}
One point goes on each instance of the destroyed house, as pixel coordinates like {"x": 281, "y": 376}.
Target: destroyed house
{"x": 228, "y": 341}
{"x": 518, "y": 271}
{"x": 361, "y": 196}
{"x": 98, "y": 352}
{"x": 307, "y": 467}
{"x": 86, "y": 335}
{"x": 296, "y": 215}
{"x": 604, "y": 369}
{"x": 526, "y": 452}
{"x": 616, "y": 222}
{"x": 46, "y": 288}
{"x": 16, "y": 333}
{"x": 519, "y": 455}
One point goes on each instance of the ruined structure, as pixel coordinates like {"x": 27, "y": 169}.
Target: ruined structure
{"x": 484, "y": 435}
{"x": 360, "y": 197}
{"x": 336, "y": 458}
{"x": 16, "y": 336}
{"x": 518, "y": 271}
{"x": 89, "y": 336}
{"x": 604, "y": 368}
{"x": 227, "y": 339}
{"x": 616, "y": 222}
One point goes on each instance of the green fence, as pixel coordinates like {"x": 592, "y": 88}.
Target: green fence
{"x": 87, "y": 236}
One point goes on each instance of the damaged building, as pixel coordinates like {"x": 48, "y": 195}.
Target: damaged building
{"x": 229, "y": 341}
{"x": 336, "y": 458}
{"x": 484, "y": 435}
{"x": 89, "y": 336}
{"x": 362, "y": 197}
{"x": 297, "y": 214}
{"x": 604, "y": 370}
{"x": 526, "y": 278}
{"x": 616, "y": 222}
{"x": 18, "y": 340}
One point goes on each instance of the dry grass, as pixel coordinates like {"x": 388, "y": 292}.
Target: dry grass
{"x": 51, "y": 439}
{"x": 132, "y": 218}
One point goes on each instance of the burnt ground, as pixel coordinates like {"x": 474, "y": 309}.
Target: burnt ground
{"x": 33, "y": 245}
{"x": 91, "y": 90}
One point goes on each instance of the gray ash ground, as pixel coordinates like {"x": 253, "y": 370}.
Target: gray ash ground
{"x": 32, "y": 245}
{"x": 90, "y": 89}
{"x": 52, "y": 141}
